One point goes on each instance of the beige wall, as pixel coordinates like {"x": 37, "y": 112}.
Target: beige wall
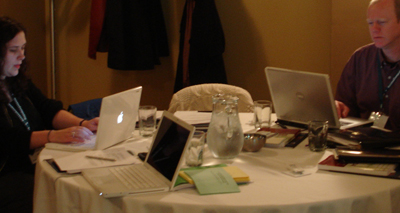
{"x": 291, "y": 34}
{"x": 32, "y": 15}
{"x": 315, "y": 35}
{"x": 349, "y": 32}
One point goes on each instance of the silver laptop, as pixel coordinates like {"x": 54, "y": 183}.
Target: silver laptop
{"x": 117, "y": 121}
{"x": 160, "y": 169}
{"x": 300, "y": 97}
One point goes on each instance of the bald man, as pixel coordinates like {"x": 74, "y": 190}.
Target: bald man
{"x": 369, "y": 82}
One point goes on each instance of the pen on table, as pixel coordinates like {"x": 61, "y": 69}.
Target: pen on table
{"x": 130, "y": 152}
{"x": 100, "y": 158}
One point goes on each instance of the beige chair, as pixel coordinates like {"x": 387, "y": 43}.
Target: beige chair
{"x": 199, "y": 97}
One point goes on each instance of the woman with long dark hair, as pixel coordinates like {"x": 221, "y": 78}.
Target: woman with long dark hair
{"x": 28, "y": 120}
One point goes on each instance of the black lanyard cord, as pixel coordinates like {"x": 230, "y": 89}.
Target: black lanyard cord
{"x": 382, "y": 92}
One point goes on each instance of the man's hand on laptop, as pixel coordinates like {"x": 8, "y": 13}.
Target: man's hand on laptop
{"x": 342, "y": 109}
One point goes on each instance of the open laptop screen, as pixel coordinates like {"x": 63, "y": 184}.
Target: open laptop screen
{"x": 168, "y": 147}
{"x": 300, "y": 97}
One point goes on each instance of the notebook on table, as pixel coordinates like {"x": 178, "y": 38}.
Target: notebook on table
{"x": 117, "y": 120}
{"x": 300, "y": 97}
{"x": 159, "y": 170}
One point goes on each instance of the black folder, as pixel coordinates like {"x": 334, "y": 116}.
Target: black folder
{"x": 368, "y": 137}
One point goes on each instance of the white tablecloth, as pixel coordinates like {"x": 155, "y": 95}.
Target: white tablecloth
{"x": 270, "y": 190}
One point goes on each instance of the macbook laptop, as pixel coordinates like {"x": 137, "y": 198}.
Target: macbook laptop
{"x": 300, "y": 97}
{"x": 160, "y": 169}
{"x": 118, "y": 113}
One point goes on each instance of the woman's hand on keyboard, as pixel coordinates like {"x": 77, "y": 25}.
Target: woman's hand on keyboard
{"x": 91, "y": 124}
{"x": 71, "y": 134}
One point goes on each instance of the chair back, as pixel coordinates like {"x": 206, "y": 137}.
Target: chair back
{"x": 87, "y": 109}
{"x": 199, "y": 97}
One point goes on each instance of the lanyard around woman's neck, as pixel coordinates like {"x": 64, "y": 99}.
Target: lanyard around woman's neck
{"x": 381, "y": 90}
{"x": 20, "y": 114}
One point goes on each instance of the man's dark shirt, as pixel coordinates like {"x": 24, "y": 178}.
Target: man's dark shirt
{"x": 358, "y": 86}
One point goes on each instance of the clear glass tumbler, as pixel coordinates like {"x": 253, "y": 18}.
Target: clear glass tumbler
{"x": 194, "y": 153}
{"x": 262, "y": 113}
{"x": 317, "y": 135}
{"x": 147, "y": 120}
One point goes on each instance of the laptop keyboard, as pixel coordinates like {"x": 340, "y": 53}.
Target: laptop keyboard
{"x": 344, "y": 123}
{"x": 136, "y": 177}
{"x": 87, "y": 143}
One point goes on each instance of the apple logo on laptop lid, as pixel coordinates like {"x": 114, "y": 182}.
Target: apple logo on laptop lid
{"x": 120, "y": 117}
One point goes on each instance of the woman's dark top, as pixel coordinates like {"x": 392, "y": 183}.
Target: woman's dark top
{"x": 14, "y": 136}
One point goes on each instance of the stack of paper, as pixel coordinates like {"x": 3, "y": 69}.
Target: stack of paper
{"x": 237, "y": 174}
{"x": 75, "y": 163}
{"x": 212, "y": 180}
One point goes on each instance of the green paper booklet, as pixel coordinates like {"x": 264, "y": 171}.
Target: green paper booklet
{"x": 181, "y": 183}
{"x": 213, "y": 181}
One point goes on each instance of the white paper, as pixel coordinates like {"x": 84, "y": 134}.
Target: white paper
{"x": 76, "y": 162}
{"x": 194, "y": 117}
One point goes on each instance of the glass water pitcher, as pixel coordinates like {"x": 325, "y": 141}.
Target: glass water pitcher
{"x": 225, "y": 134}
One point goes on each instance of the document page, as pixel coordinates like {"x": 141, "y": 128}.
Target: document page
{"x": 194, "y": 117}
{"x": 95, "y": 159}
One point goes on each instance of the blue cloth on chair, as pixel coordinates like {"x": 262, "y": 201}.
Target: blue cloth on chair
{"x": 87, "y": 109}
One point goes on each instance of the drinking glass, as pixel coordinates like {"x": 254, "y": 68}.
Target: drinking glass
{"x": 194, "y": 153}
{"x": 262, "y": 113}
{"x": 147, "y": 120}
{"x": 317, "y": 135}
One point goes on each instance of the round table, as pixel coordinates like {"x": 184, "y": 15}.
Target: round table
{"x": 270, "y": 190}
